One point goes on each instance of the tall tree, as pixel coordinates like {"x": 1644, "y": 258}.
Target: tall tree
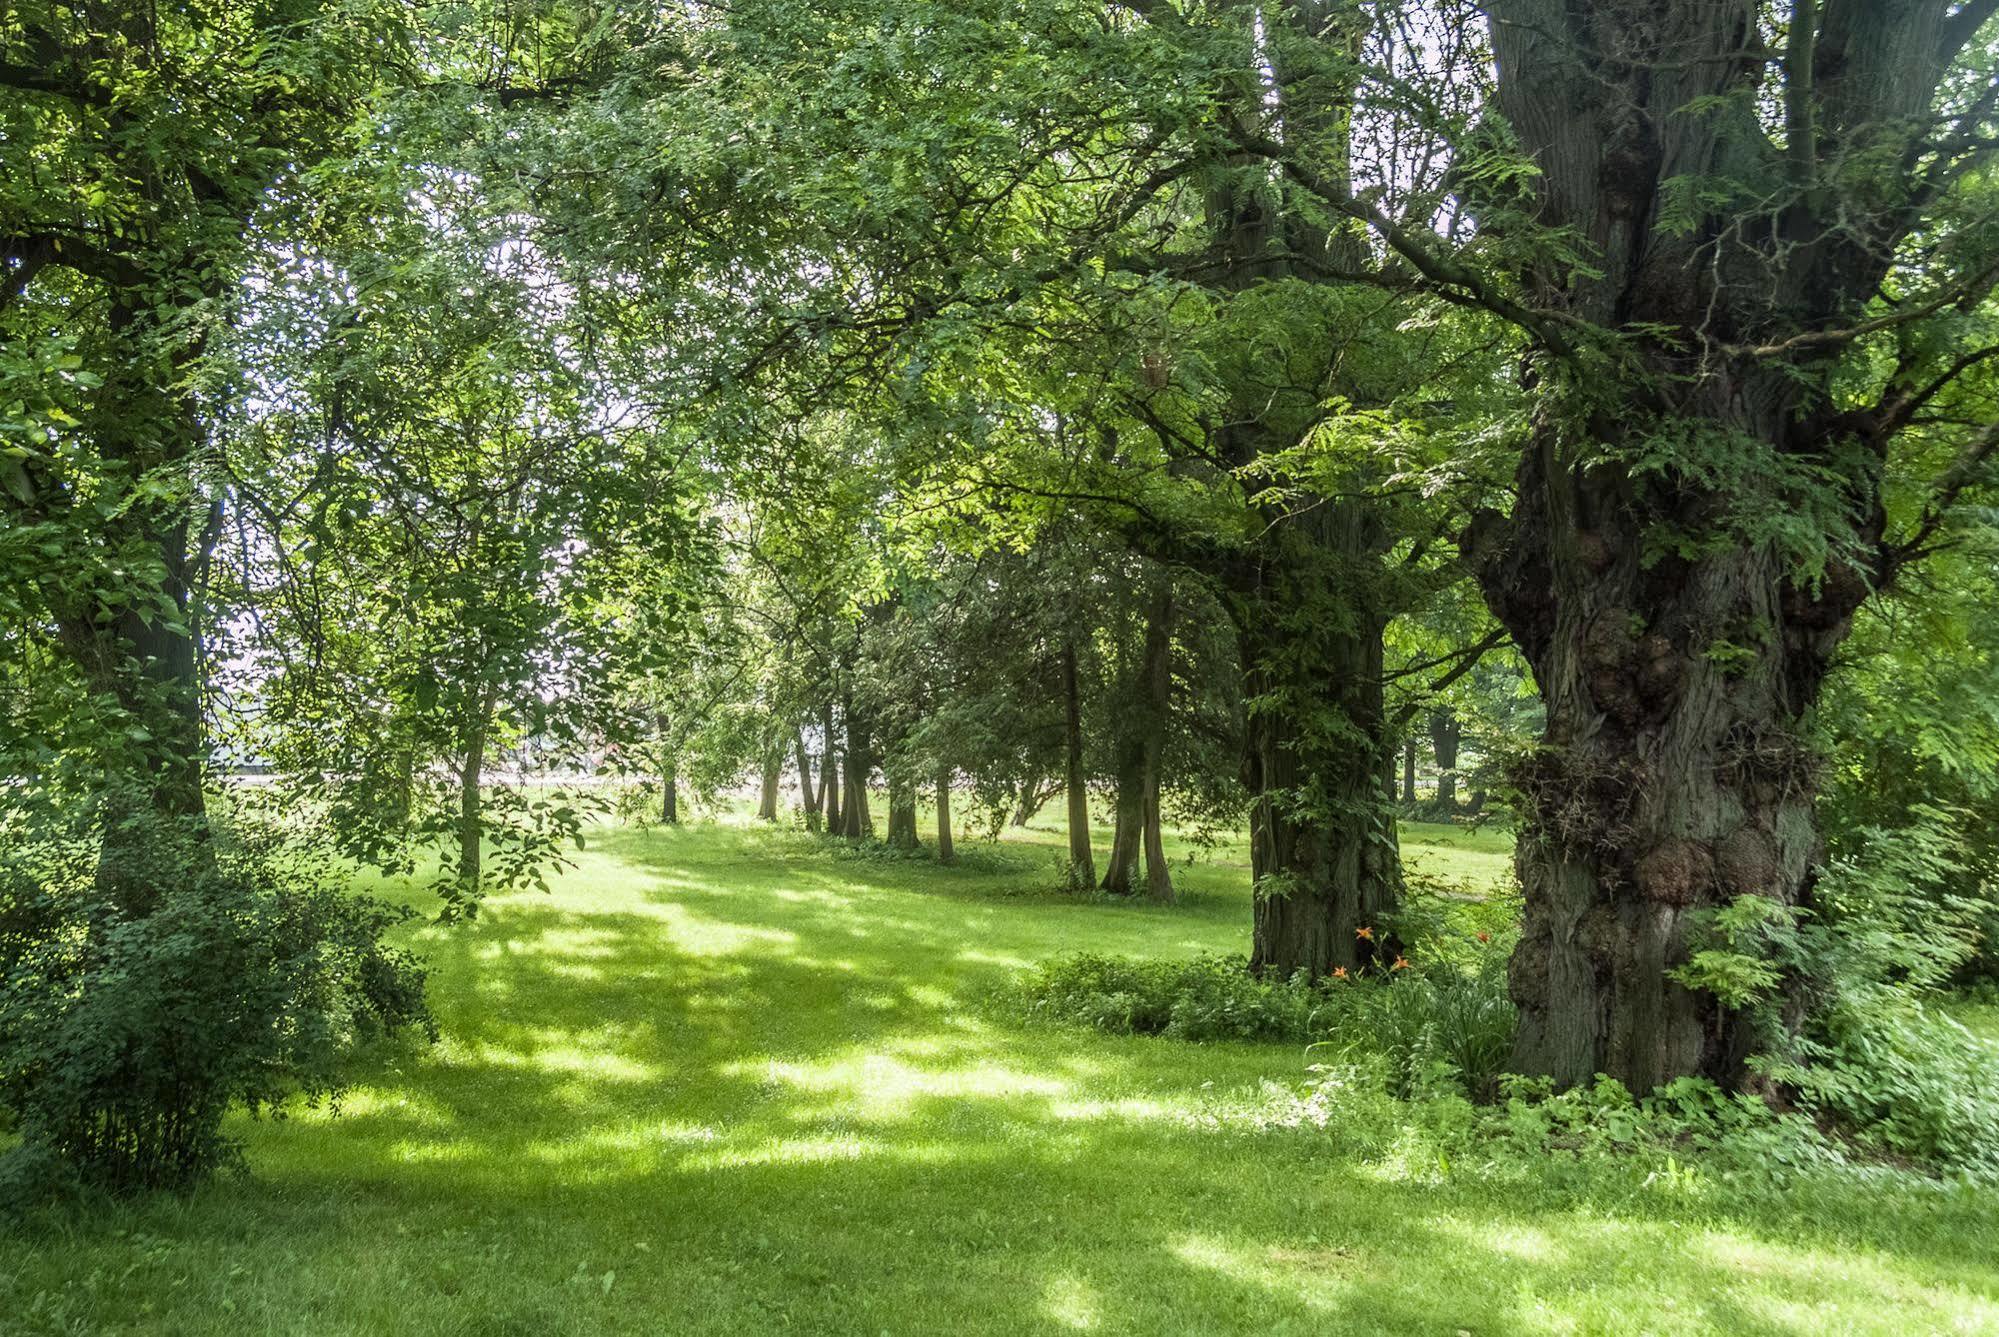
{"x": 143, "y": 149}
{"x": 1760, "y": 231}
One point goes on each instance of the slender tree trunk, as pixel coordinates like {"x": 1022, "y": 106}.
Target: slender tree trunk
{"x": 830, "y": 774}
{"x": 669, "y": 779}
{"x": 946, "y": 853}
{"x": 1445, "y": 731}
{"x": 1157, "y": 671}
{"x": 857, "y": 821}
{"x": 808, "y": 797}
{"x": 471, "y": 827}
{"x": 1082, "y": 859}
{"x": 1158, "y": 873}
{"x": 902, "y": 815}
{"x": 1409, "y": 770}
{"x": 773, "y": 772}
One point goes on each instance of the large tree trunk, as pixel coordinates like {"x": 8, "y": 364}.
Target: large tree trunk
{"x": 946, "y": 852}
{"x": 134, "y": 640}
{"x": 1678, "y": 648}
{"x": 1082, "y": 859}
{"x": 1323, "y": 848}
{"x": 151, "y": 667}
{"x": 1671, "y": 778}
{"x": 1322, "y": 837}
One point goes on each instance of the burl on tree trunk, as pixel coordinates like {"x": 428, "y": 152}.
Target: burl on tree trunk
{"x": 1678, "y": 637}
{"x": 1673, "y": 777}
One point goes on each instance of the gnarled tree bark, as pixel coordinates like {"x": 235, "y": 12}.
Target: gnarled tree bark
{"x": 1677, "y": 651}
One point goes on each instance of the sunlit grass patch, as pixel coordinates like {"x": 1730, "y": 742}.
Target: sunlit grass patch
{"x": 729, "y": 1080}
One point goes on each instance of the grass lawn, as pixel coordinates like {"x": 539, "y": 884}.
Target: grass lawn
{"x": 728, "y": 1080}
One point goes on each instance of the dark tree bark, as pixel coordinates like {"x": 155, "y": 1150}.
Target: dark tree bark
{"x": 1445, "y": 732}
{"x": 135, "y": 642}
{"x": 1308, "y": 598}
{"x": 1141, "y": 739}
{"x": 946, "y": 851}
{"x": 1320, "y": 752}
{"x": 669, "y": 782}
{"x": 1158, "y": 873}
{"x": 1675, "y": 772}
{"x": 1409, "y": 770}
{"x": 1082, "y": 858}
{"x": 1323, "y": 848}
{"x": 1157, "y": 673}
{"x": 1128, "y": 823}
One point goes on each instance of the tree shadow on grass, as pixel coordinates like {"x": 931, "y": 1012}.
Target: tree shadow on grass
{"x": 756, "y": 1091}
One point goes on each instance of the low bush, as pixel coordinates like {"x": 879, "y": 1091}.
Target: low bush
{"x": 139, "y": 1002}
{"x": 1429, "y": 1027}
{"x": 1434, "y": 1027}
{"x": 1843, "y": 995}
{"x": 1899, "y": 1078}
{"x": 1210, "y": 997}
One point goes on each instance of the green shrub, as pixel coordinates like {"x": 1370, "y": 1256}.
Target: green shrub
{"x": 1443, "y": 1025}
{"x": 1435, "y": 1027}
{"x": 1210, "y": 997}
{"x": 1899, "y": 1078}
{"x": 137, "y": 1003}
{"x": 1838, "y": 992}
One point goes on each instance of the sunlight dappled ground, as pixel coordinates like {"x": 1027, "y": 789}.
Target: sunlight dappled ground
{"x": 734, "y": 1080}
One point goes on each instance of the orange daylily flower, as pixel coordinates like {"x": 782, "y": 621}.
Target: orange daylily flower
{"x": 1401, "y": 963}
{"x": 1364, "y": 934}
{"x": 1483, "y": 936}
{"x": 1339, "y": 972}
